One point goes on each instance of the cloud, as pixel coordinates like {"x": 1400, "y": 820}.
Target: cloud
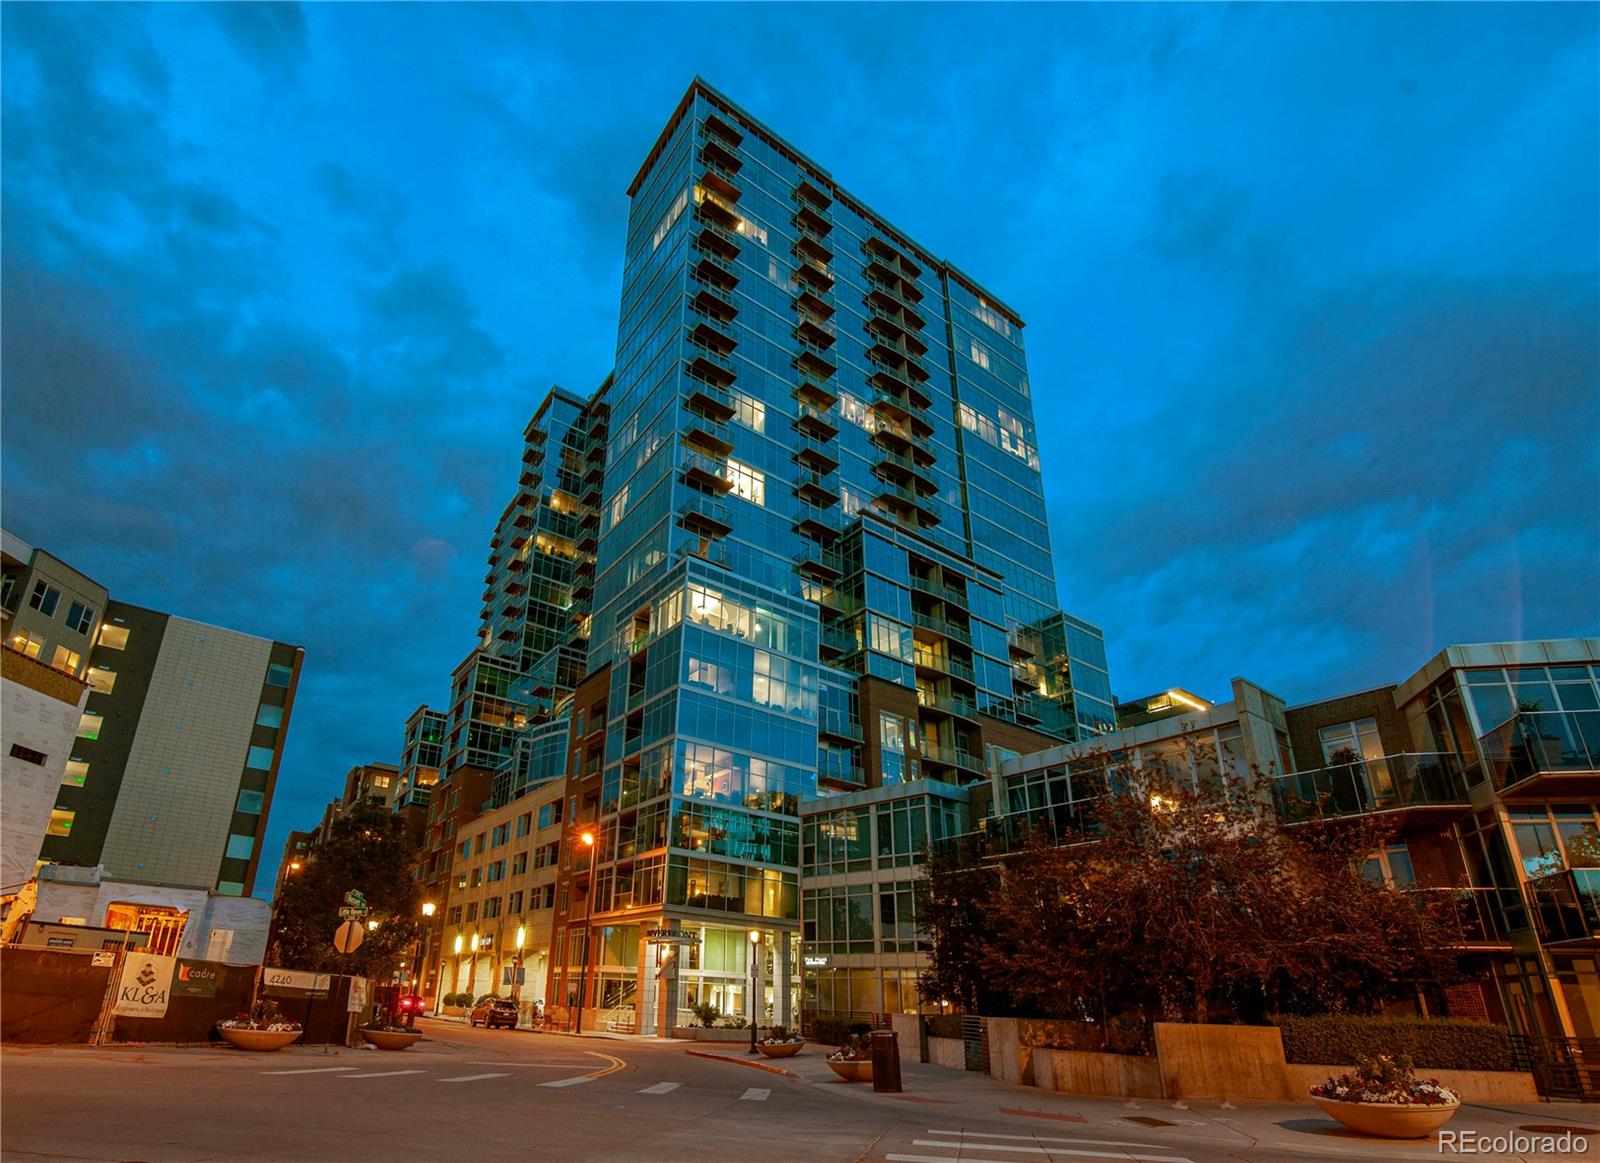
{"x": 271, "y": 36}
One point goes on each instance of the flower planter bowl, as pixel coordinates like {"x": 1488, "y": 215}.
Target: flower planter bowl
{"x": 780, "y": 1049}
{"x": 860, "y": 1071}
{"x": 1390, "y": 1120}
{"x": 260, "y": 1040}
{"x": 392, "y": 1039}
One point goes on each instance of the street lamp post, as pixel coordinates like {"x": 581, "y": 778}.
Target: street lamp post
{"x": 588, "y": 919}
{"x": 755, "y": 944}
{"x": 424, "y": 943}
{"x": 516, "y": 971}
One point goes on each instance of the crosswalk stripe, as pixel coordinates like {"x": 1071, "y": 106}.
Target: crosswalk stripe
{"x": 1036, "y": 1138}
{"x": 386, "y": 1074}
{"x": 965, "y": 1144}
{"x": 661, "y": 1088}
{"x": 314, "y": 1070}
{"x": 755, "y": 1094}
{"x": 568, "y": 1081}
{"x": 473, "y": 1077}
{"x": 939, "y": 1159}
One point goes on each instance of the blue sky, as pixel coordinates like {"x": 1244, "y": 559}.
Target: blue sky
{"x": 1311, "y": 295}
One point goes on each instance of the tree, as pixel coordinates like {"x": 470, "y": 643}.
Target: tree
{"x": 1182, "y": 898}
{"x": 368, "y": 851}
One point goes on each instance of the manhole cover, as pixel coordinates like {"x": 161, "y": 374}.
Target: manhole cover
{"x": 1554, "y": 1129}
{"x": 1147, "y": 1121}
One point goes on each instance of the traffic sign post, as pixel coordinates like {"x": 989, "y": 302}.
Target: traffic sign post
{"x": 349, "y": 936}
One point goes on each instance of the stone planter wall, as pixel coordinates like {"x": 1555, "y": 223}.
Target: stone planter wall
{"x": 1088, "y": 1072}
{"x": 1221, "y": 1062}
{"x": 909, "y": 1029}
{"x": 950, "y": 1053}
{"x": 701, "y": 1034}
{"x": 1471, "y": 1085}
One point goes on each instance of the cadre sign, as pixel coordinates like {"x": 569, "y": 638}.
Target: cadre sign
{"x": 670, "y": 936}
{"x": 195, "y": 979}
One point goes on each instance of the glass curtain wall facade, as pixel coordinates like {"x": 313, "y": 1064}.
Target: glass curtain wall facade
{"x": 821, "y": 539}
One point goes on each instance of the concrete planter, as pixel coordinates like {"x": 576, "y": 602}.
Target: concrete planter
{"x": 951, "y": 1053}
{"x": 1389, "y": 1120}
{"x": 780, "y": 1049}
{"x": 392, "y": 1039}
{"x": 1490, "y": 1086}
{"x": 852, "y": 1071}
{"x": 259, "y": 1040}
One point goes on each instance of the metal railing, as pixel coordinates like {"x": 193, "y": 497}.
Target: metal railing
{"x": 1534, "y": 743}
{"x": 1371, "y": 785}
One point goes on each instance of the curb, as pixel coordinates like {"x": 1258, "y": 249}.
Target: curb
{"x": 742, "y": 1062}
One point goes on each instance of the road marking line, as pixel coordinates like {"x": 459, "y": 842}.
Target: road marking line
{"x": 965, "y": 1144}
{"x": 386, "y": 1074}
{"x": 533, "y": 1065}
{"x": 616, "y": 1065}
{"x": 661, "y": 1088}
{"x": 755, "y": 1094}
{"x": 938, "y": 1159}
{"x": 315, "y": 1070}
{"x": 571, "y": 1081}
{"x": 1041, "y": 1138}
{"x": 473, "y": 1077}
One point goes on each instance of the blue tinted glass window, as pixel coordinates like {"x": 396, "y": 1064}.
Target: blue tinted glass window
{"x": 240, "y": 847}
{"x": 269, "y": 716}
{"x": 260, "y": 759}
{"x": 251, "y": 802}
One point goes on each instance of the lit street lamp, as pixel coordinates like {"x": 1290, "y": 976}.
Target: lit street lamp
{"x": 587, "y": 836}
{"x": 755, "y": 944}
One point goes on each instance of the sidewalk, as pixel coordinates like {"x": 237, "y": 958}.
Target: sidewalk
{"x": 955, "y": 1096}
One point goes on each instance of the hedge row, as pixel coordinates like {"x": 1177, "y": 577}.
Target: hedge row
{"x": 834, "y": 1031}
{"x": 1431, "y": 1043}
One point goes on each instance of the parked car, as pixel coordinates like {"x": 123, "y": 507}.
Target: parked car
{"x": 408, "y": 1007}
{"x": 494, "y": 1011}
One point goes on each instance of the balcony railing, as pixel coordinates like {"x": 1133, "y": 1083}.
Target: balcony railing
{"x": 1371, "y": 785}
{"x": 1538, "y": 743}
{"x": 1477, "y": 916}
{"x": 1566, "y": 905}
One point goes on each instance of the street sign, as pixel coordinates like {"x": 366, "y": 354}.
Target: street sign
{"x": 355, "y": 900}
{"x": 348, "y": 938}
{"x": 351, "y": 913}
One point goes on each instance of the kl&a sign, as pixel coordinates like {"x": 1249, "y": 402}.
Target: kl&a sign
{"x": 145, "y": 986}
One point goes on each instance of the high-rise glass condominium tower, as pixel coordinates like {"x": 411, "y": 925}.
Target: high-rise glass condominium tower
{"x": 820, "y": 563}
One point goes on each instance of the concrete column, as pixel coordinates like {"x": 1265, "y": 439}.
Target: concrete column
{"x": 783, "y": 947}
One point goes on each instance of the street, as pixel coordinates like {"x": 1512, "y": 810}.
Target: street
{"x": 466, "y": 1094}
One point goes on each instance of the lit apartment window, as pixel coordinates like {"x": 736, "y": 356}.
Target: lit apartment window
{"x": 29, "y": 644}
{"x": 45, "y": 598}
{"x": 101, "y": 681}
{"x": 77, "y": 771}
{"x": 748, "y": 483}
{"x": 115, "y": 637}
{"x": 89, "y": 725}
{"x": 979, "y": 355}
{"x": 67, "y": 660}
{"x": 749, "y": 229}
{"x": 60, "y": 823}
{"x": 749, "y": 411}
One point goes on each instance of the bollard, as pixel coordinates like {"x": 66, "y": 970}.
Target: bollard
{"x": 885, "y": 1061}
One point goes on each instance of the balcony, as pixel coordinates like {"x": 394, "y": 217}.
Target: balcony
{"x": 815, "y": 331}
{"x": 810, "y": 247}
{"x": 884, "y": 251}
{"x": 820, "y": 562}
{"x": 889, "y": 431}
{"x": 1478, "y": 917}
{"x": 1410, "y": 783}
{"x": 717, "y": 210}
{"x": 937, "y": 755}
{"x": 887, "y": 299}
{"x": 815, "y": 393}
{"x": 1566, "y": 906}
{"x": 710, "y": 398}
{"x": 1544, "y": 753}
{"x": 904, "y": 502}
{"x": 714, "y": 301}
{"x": 814, "y": 454}
{"x": 706, "y": 516}
{"x": 714, "y": 270}
{"x": 948, "y": 704}
{"x": 838, "y": 641}
{"x": 882, "y": 273}
{"x": 812, "y": 303}
{"x": 939, "y": 590}
{"x": 813, "y": 361}
{"x": 711, "y": 435}
{"x": 894, "y": 328}
{"x": 814, "y": 275}
{"x": 714, "y": 236}
{"x": 719, "y": 153}
{"x": 810, "y": 219}
{"x": 715, "y": 126}
{"x": 903, "y": 469}
{"x": 808, "y": 192}
{"x": 705, "y": 473}
{"x": 814, "y": 521}
{"x": 839, "y": 727}
{"x": 939, "y": 626}
{"x": 710, "y": 366}
{"x": 817, "y": 488}
{"x": 815, "y": 422}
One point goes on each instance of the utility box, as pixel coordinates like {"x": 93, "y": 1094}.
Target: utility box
{"x": 885, "y": 1061}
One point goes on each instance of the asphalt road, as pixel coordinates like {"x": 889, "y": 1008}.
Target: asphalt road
{"x": 464, "y": 1095}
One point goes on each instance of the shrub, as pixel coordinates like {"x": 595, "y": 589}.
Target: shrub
{"x": 705, "y": 1013}
{"x": 837, "y": 1031}
{"x": 944, "y": 1025}
{"x": 1432, "y": 1043}
{"x": 450, "y": 999}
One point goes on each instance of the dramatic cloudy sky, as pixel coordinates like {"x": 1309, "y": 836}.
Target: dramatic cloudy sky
{"x": 1311, "y": 296}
